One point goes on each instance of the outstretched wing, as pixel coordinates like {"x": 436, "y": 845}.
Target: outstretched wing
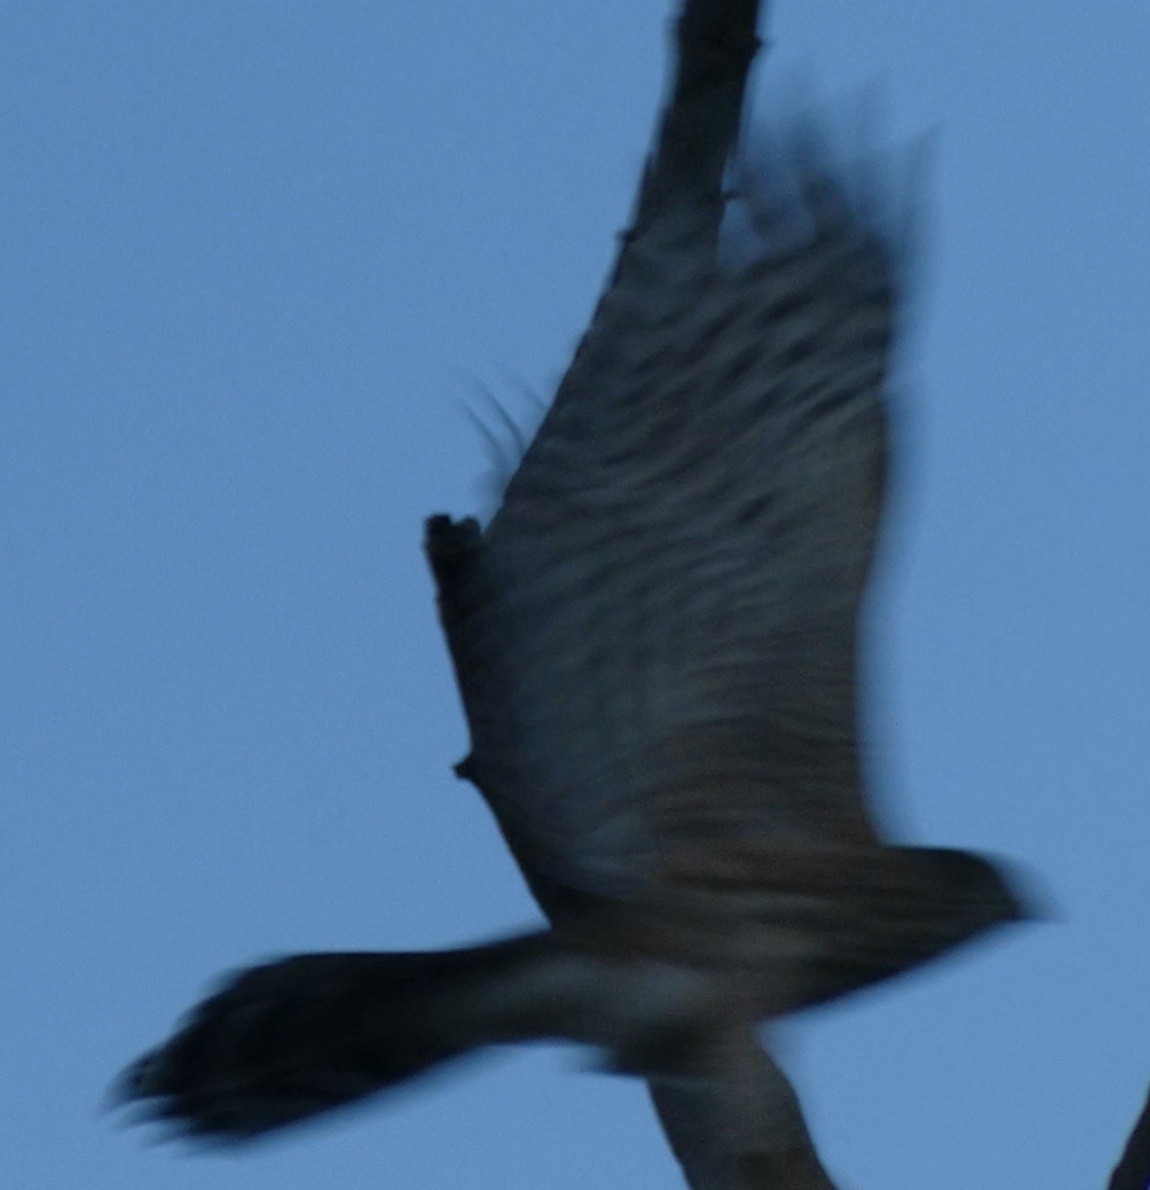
{"x": 663, "y": 610}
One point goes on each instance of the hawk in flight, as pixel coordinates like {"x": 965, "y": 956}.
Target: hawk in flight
{"x": 655, "y": 639}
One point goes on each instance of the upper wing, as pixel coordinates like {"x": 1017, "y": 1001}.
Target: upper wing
{"x": 658, "y": 626}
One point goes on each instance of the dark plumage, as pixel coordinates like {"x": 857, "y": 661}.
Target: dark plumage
{"x": 655, "y": 639}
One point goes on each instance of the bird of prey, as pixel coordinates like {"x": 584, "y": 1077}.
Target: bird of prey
{"x": 655, "y": 640}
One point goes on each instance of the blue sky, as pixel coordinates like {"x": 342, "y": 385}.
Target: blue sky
{"x": 255, "y": 259}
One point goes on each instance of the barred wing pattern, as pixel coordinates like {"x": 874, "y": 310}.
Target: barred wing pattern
{"x": 655, "y": 644}
{"x": 679, "y": 560}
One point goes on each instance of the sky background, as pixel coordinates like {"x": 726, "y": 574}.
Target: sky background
{"x": 255, "y": 260}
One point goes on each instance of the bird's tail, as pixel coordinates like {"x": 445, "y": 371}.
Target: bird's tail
{"x": 294, "y": 1038}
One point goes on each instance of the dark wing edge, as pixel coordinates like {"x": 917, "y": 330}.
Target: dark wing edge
{"x": 716, "y": 41}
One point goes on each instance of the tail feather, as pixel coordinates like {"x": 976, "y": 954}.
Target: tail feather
{"x": 296, "y": 1038}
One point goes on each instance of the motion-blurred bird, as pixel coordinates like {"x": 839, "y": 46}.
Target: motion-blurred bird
{"x": 655, "y": 639}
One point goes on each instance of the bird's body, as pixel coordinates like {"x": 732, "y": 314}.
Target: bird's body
{"x": 655, "y": 639}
